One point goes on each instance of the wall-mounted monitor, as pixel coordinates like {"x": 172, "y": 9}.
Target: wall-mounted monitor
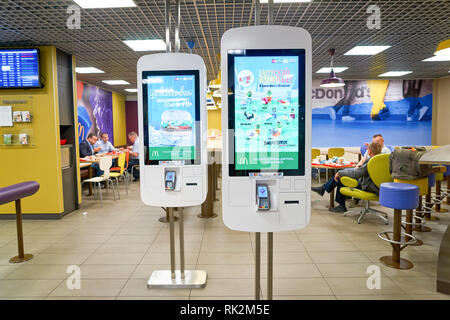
{"x": 19, "y": 68}
{"x": 171, "y": 116}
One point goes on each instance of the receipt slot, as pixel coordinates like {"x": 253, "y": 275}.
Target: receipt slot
{"x": 173, "y": 158}
{"x": 266, "y": 123}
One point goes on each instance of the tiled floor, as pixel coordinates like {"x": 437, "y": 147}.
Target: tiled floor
{"x": 119, "y": 244}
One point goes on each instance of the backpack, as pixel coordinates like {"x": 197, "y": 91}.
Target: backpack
{"x": 404, "y": 163}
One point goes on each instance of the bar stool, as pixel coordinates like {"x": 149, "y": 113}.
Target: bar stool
{"x": 398, "y": 196}
{"x": 427, "y": 207}
{"x": 15, "y": 193}
{"x": 439, "y": 197}
{"x": 408, "y": 224}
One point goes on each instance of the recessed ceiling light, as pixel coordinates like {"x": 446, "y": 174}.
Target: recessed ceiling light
{"x": 284, "y": 1}
{"x": 366, "y": 50}
{"x": 146, "y": 45}
{"x": 395, "y": 73}
{"x": 438, "y": 58}
{"x": 328, "y": 69}
{"x": 88, "y": 70}
{"x": 96, "y": 4}
{"x": 131, "y": 90}
{"x": 115, "y": 82}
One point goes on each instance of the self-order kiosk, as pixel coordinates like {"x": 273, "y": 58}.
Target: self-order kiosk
{"x": 172, "y": 122}
{"x": 266, "y": 123}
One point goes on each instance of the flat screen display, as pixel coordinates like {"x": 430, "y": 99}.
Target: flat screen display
{"x": 19, "y": 68}
{"x": 262, "y": 192}
{"x": 171, "y": 116}
{"x": 266, "y": 111}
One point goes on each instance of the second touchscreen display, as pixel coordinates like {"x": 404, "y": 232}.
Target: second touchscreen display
{"x": 171, "y": 117}
{"x": 266, "y": 112}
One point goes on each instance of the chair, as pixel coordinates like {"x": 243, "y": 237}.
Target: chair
{"x": 136, "y": 166}
{"x": 105, "y": 165}
{"x": 378, "y": 168}
{"x": 127, "y": 158}
{"x": 314, "y": 154}
{"x": 398, "y": 196}
{"x": 334, "y": 152}
{"x": 121, "y": 173}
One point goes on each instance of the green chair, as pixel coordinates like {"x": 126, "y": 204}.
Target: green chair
{"x": 378, "y": 168}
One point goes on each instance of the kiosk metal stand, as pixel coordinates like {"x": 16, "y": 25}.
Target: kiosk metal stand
{"x": 177, "y": 279}
{"x": 258, "y": 265}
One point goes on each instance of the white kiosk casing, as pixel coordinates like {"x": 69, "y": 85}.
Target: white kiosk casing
{"x": 191, "y": 184}
{"x": 290, "y": 195}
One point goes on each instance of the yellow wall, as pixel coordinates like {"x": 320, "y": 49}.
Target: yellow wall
{"x": 214, "y": 119}
{"x": 42, "y": 161}
{"x": 441, "y": 111}
{"x": 119, "y": 119}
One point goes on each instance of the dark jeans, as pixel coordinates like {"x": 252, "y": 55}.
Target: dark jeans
{"x": 330, "y": 185}
{"x": 131, "y": 163}
{"x": 96, "y": 168}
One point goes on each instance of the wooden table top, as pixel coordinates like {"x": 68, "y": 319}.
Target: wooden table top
{"x": 96, "y": 159}
{"x": 437, "y": 156}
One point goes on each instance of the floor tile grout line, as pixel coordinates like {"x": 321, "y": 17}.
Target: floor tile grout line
{"x": 307, "y": 252}
{"x": 137, "y": 265}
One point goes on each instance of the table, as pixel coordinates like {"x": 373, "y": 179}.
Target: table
{"x": 441, "y": 156}
{"x": 321, "y": 166}
{"x": 214, "y": 147}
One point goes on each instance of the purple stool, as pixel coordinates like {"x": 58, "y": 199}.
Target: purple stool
{"x": 16, "y": 192}
{"x": 398, "y": 196}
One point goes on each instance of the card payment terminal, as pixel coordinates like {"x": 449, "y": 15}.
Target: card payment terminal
{"x": 170, "y": 180}
{"x": 262, "y": 196}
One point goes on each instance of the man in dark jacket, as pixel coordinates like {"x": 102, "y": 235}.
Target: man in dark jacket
{"x": 361, "y": 174}
{"x": 87, "y": 146}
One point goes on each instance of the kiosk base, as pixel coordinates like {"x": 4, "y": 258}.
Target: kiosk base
{"x": 193, "y": 279}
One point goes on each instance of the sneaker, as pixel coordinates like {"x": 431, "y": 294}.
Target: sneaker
{"x": 422, "y": 112}
{"x": 319, "y": 190}
{"x": 353, "y": 203}
{"x": 347, "y": 118}
{"x": 409, "y": 118}
{"x": 332, "y": 113}
{"x": 338, "y": 209}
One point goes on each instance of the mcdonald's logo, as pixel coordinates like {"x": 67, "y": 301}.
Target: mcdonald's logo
{"x": 243, "y": 160}
{"x": 155, "y": 153}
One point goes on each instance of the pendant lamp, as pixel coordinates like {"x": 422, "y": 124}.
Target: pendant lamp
{"x": 332, "y": 81}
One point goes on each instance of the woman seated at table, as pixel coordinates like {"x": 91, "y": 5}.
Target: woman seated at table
{"x": 361, "y": 174}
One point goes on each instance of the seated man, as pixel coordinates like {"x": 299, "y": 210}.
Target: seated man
{"x": 104, "y": 144}
{"x": 378, "y": 138}
{"x": 87, "y": 146}
{"x": 134, "y": 154}
{"x": 361, "y": 174}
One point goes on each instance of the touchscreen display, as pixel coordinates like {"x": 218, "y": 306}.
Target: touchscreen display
{"x": 170, "y": 176}
{"x": 267, "y": 108}
{"x": 262, "y": 192}
{"x": 171, "y": 111}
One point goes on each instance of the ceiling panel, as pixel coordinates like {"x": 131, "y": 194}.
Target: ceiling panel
{"x": 412, "y": 27}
